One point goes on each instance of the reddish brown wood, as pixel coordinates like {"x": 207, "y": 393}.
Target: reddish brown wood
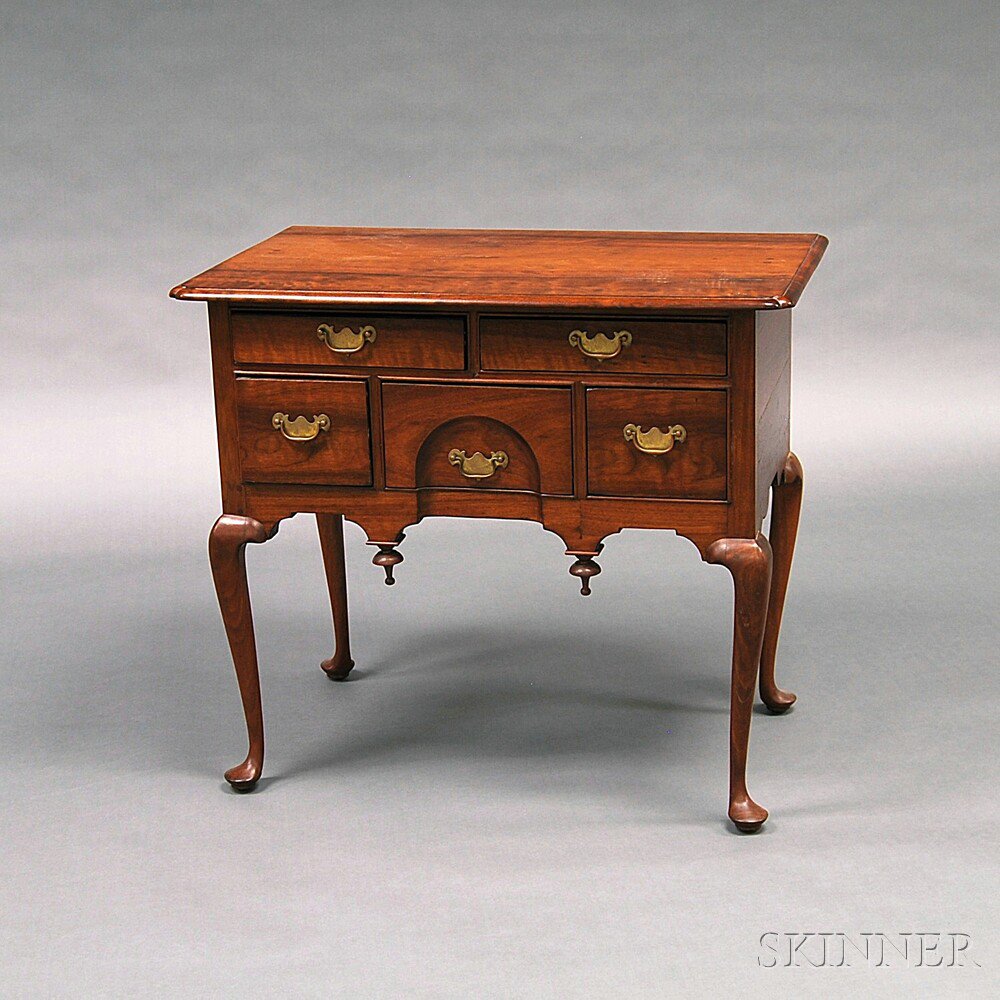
{"x": 584, "y": 568}
{"x": 401, "y": 341}
{"x": 226, "y": 420}
{"x": 657, "y": 347}
{"x": 475, "y": 351}
{"x": 749, "y": 562}
{"x": 424, "y": 423}
{"x": 709, "y": 339}
{"x": 693, "y": 469}
{"x": 773, "y": 353}
{"x": 392, "y": 375}
{"x": 503, "y": 268}
{"x": 579, "y": 440}
{"x": 772, "y": 401}
{"x": 331, "y": 540}
{"x": 580, "y": 524}
{"x": 339, "y": 456}
{"x": 743, "y": 522}
{"x": 378, "y": 432}
{"x": 785, "y": 507}
{"x": 226, "y": 550}
{"x": 388, "y": 558}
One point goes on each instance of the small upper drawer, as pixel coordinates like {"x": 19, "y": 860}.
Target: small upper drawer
{"x": 668, "y": 443}
{"x": 304, "y": 431}
{"x": 358, "y": 340}
{"x": 589, "y": 344}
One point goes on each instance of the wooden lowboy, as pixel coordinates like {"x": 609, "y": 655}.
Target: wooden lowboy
{"x": 590, "y": 381}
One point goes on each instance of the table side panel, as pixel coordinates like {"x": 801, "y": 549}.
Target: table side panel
{"x": 742, "y": 426}
{"x": 226, "y": 422}
{"x": 772, "y": 401}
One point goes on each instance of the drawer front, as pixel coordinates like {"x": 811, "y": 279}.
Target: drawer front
{"x": 348, "y": 341}
{"x": 478, "y": 437}
{"x": 667, "y": 443}
{"x": 300, "y": 431}
{"x": 588, "y": 344}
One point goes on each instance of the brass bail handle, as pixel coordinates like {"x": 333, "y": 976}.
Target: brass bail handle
{"x": 477, "y": 465}
{"x": 600, "y": 345}
{"x": 654, "y": 441}
{"x": 345, "y": 340}
{"x": 300, "y": 429}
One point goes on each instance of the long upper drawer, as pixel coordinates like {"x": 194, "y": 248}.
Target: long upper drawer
{"x": 382, "y": 340}
{"x": 606, "y": 345}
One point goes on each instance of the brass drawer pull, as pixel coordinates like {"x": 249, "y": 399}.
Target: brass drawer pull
{"x": 478, "y": 466}
{"x": 654, "y": 441}
{"x": 601, "y": 346}
{"x": 346, "y": 341}
{"x": 300, "y": 429}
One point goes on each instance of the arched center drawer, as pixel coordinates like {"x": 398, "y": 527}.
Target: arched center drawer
{"x": 486, "y": 437}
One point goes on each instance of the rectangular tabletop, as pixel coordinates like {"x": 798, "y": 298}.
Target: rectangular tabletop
{"x": 517, "y": 268}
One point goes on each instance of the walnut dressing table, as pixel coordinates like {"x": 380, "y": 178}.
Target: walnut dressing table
{"x": 589, "y": 381}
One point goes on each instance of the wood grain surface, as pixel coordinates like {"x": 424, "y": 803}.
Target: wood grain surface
{"x": 785, "y": 510}
{"x": 340, "y": 456}
{"x": 657, "y": 347}
{"x": 517, "y": 267}
{"x": 331, "y": 540}
{"x": 473, "y": 354}
{"x": 749, "y": 562}
{"x": 422, "y": 423}
{"x": 692, "y": 469}
{"x": 401, "y": 341}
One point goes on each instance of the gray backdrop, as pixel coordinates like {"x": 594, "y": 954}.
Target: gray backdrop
{"x": 523, "y": 793}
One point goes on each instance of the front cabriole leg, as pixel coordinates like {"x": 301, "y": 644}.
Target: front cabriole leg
{"x": 226, "y": 551}
{"x": 749, "y": 562}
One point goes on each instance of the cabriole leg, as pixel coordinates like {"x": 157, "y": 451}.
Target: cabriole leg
{"x": 331, "y": 540}
{"x": 226, "y": 550}
{"x": 786, "y": 502}
{"x": 749, "y": 562}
